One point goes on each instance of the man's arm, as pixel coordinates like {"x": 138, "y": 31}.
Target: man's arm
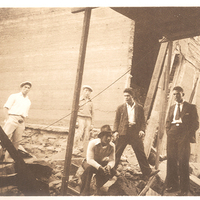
{"x": 117, "y": 120}
{"x": 195, "y": 117}
{"x": 168, "y": 121}
{"x": 90, "y": 155}
{"x": 142, "y": 119}
{"x": 5, "y": 111}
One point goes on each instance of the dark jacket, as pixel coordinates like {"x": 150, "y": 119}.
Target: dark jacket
{"x": 189, "y": 119}
{"x": 121, "y": 119}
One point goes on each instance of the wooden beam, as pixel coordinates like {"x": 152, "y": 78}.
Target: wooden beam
{"x": 154, "y": 80}
{"x": 80, "y": 9}
{"x": 146, "y": 188}
{"x": 25, "y": 180}
{"x": 163, "y": 104}
{"x": 75, "y": 104}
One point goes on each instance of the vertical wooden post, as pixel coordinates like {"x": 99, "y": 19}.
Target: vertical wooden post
{"x": 164, "y": 85}
{"x": 76, "y": 97}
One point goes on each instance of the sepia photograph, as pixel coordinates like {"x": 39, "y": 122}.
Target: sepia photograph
{"x": 99, "y": 101}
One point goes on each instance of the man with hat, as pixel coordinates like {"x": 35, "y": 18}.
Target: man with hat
{"x": 129, "y": 128}
{"x": 16, "y": 110}
{"x": 100, "y": 160}
{"x": 84, "y": 119}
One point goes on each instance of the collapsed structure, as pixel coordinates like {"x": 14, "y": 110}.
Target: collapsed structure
{"x": 154, "y": 51}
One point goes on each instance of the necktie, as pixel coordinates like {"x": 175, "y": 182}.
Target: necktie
{"x": 177, "y": 117}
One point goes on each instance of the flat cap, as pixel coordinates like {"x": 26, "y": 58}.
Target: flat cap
{"x": 26, "y": 83}
{"x": 87, "y": 86}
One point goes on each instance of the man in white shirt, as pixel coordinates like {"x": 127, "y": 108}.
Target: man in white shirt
{"x": 100, "y": 160}
{"x": 16, "y": 110}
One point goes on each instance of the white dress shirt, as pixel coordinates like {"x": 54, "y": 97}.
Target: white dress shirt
{"x": 175, "y": 111}
{"x": 17, "y": 104}
{"x": 131, "y": 113}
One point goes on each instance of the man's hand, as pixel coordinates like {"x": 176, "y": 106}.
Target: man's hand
{"x": 107, "y": 169}
{"x": 141, "y": 134}
{"x": 115, "y": 136}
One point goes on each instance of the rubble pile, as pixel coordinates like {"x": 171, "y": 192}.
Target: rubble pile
{"x": 44, "y": 154}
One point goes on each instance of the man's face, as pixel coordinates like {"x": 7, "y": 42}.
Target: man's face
{"x": 178, "y": 96}
{"x": 128, "y": 98}
{"x": 105, "y": 139}
{"x": 86, "y": 92}
{"x": 25, "y": 89}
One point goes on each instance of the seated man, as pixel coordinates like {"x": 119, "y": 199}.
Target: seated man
{"x": 100, "y": 160}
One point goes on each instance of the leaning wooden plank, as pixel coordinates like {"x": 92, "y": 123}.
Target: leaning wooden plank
{"x": 152, "y": 123}
{"x": 25, "y": 180}
{"x": 146, "y": 188}
{"x": 194, "y": 185}
{"x": 195, "y": 180}
{"x": 154, "y": 80}
{"x": 72, "y": 191}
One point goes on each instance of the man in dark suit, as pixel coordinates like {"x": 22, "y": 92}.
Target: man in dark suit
{"x": 129, "y": 128}
{"x": 181, "y": 125}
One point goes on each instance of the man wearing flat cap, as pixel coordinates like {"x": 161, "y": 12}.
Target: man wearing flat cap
{"x": 100, "y": 160}
{"x": 129, "y": 128}
{"x": 84, "y": 119}
{"x": 16, "y": 110}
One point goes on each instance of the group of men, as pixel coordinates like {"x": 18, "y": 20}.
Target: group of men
{"x": 103, "y": 154}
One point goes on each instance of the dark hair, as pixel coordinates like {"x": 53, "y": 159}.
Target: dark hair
{"x": 178, "y": 88}
{"x": 129, "y": 90}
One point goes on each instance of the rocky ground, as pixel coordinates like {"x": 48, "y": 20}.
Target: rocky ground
{"x": 49, "y": 148}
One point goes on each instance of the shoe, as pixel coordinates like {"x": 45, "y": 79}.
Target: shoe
{"x": 171, "y": 189}
{"x": 153, "y": 172}
{"x": 182, "y": 194}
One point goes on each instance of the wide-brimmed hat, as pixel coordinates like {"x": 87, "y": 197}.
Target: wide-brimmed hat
{"x": 88, "y": 87}
{"x": 26, "y": 83}
{"x": 105, "y": 129}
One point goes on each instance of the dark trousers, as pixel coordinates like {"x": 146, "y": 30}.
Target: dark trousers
{"x": 86, "y": 177}
{"x": 178, "y": 154}
{"x": 133, "y": 139}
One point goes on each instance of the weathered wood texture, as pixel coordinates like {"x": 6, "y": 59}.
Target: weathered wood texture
{"x": 26, "y": 181}
{"x": 154, "y": 80}
{"x": 79, "y": 76}
{"x": 154, "y": 97}
{"x": 42, "y": 45}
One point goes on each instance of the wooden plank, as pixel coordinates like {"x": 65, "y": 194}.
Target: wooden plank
{"x": 195, "y": 180}
{"x": 154, "y": 80}
{"x": 26, "y": 181}
{"x": 75, "y": 103}
{"x": 163, "y": 103}
{"x": 146, "y": 188}
{"x": 79, "y": 9}
{"x": 153, "y": 121}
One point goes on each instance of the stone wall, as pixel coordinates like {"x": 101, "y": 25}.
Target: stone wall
{"x": 42, "y": 45}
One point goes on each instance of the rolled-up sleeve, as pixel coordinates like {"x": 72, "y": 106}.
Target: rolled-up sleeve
{"x": 10, "y": 101}
{"x": 90, "y": 155}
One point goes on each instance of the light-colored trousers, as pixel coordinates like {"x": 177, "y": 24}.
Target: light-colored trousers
{"x": 14, "y": 131}
{"x": 83, "y": 132}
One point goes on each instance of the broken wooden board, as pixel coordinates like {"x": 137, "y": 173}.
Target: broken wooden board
{"x": 26, "y": 181}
